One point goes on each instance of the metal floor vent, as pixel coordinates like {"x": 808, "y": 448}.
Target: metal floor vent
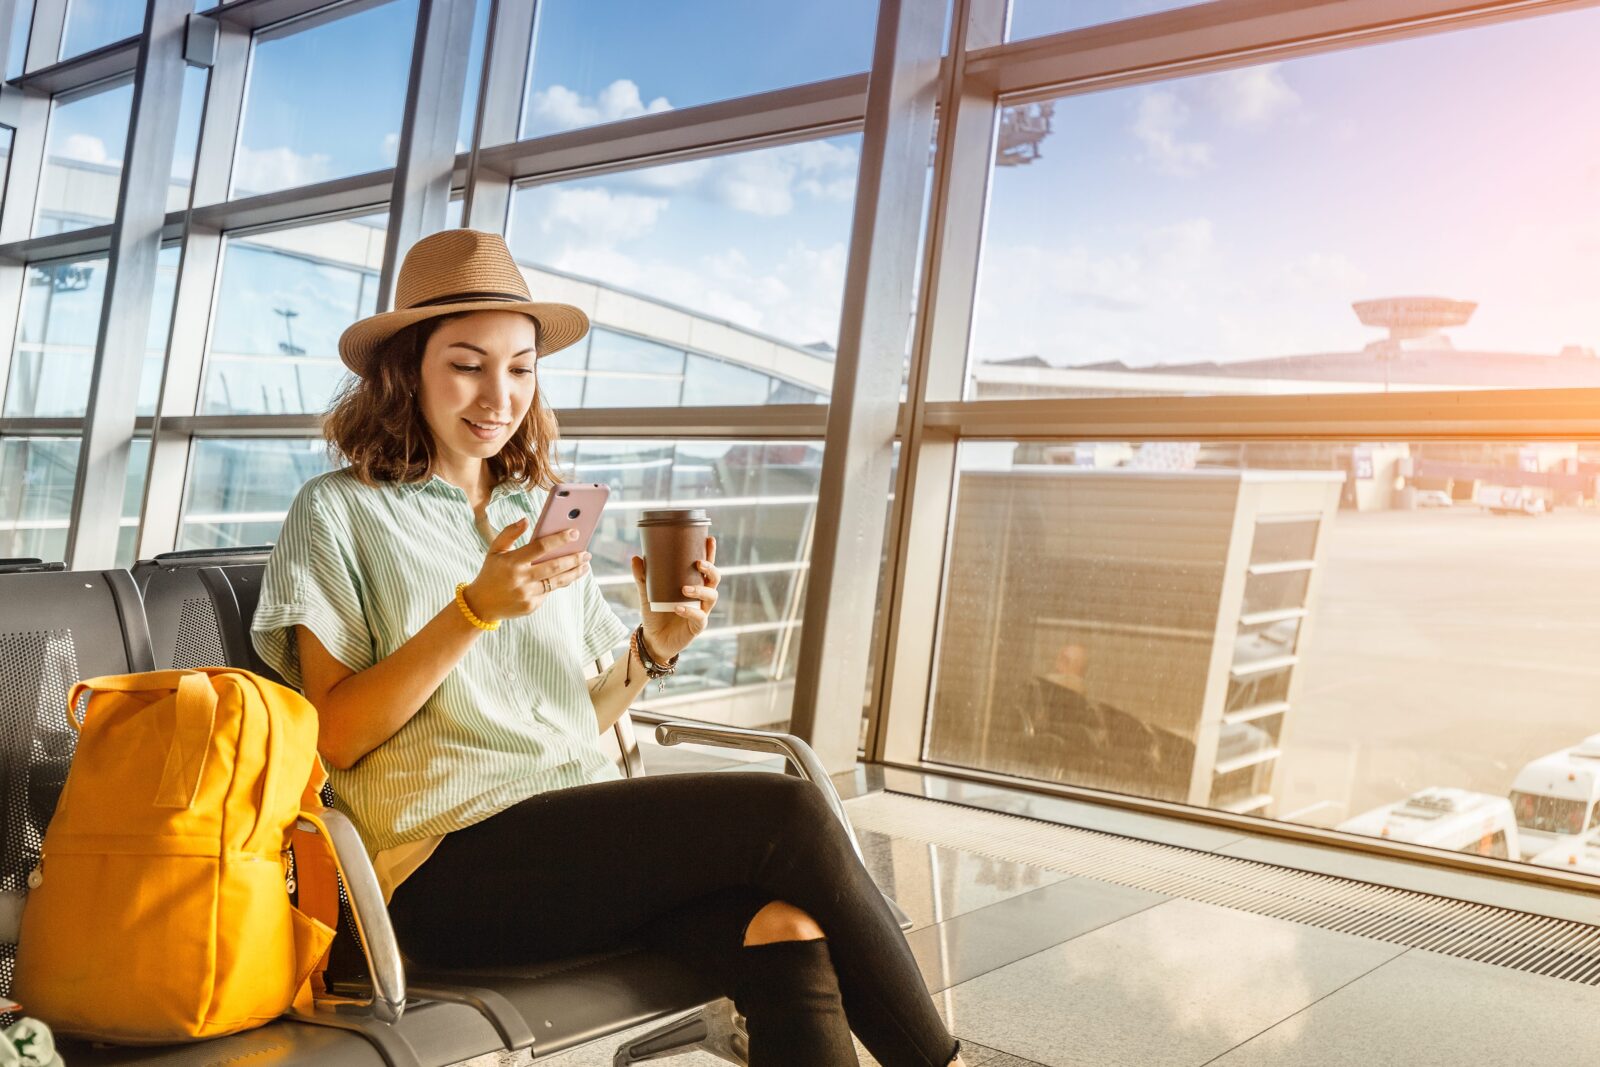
{"x": 1537, "y": 944}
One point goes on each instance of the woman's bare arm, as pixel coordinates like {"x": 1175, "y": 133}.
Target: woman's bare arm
{"x": 614, "y": 690}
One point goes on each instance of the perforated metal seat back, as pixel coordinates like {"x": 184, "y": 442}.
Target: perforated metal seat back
{"x": 55, "y": 629}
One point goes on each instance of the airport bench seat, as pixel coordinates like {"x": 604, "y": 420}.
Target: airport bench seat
{"x": 96, "y": 623}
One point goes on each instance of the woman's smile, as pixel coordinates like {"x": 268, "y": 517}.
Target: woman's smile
{"x": 485, "y": 431}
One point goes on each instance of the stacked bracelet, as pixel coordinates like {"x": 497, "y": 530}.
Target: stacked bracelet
{"x": 655, "y": 672}
{"x": 461, "y": 602}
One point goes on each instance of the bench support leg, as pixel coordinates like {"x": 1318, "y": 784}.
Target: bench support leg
{"x": 716, "y": 1028}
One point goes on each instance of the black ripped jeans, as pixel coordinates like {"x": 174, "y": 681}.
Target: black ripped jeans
{"x": 680, "y": 864}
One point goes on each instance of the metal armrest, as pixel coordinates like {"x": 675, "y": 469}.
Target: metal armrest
{"x": 800, "y": 756}
{"x": 371, "y": 916}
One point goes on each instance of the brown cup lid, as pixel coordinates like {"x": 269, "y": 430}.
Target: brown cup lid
{"x": 675, "y": 517}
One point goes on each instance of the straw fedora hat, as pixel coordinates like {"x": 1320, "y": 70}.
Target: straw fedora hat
{"x": 454, "y": 271}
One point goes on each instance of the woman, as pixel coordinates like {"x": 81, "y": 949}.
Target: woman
{"x": 464, "y": 737}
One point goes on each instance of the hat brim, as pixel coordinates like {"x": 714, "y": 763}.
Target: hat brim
{"x": 560, "y": 325}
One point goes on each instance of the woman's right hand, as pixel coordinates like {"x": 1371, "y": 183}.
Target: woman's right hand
{"x": 510, "y": 584}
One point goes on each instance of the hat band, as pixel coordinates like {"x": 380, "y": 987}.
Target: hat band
{"x": 464, "y": 298}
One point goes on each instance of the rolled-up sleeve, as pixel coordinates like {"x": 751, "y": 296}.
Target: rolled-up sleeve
{"x": 311, "y": 580}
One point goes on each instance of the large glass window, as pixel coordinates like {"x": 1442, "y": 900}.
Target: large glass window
{"x": 326, "y": 98}
{"x": 239, "y": 491}
{"x": 602, "y": 60}
{"x": 762, "y": 500}
{"x": 93, "y": 23}
{"x": 1357, "y": 636}
{"x": 737, "y": 260}
{"x": 1318, "y": 225}
{"x": 285, "y": 298}
{"x": 83, "y": 155}
{"x": 37, "y": 475}
{"x": 17, "y": 50}
{"x": 54, "y": 353}
{"x": 1034, "y": 18}
{"x": 190, "y": 109}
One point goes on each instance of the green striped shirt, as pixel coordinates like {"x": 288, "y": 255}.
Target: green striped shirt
{"x": 364, "y": 568}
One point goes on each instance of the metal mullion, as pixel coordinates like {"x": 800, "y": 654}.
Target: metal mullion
{"x": 45, "y": 34}
{"x": 507, "y": 65}
{"x": 130, "y": 287}
{"x": 780, "y": 117}
{"x": 199, "y": 269}
{"x": 962, "y": 167}
{"x": 1496, "y": 414}
{"x": 1223, "y": 34}
{"x": 779, "y": 422}
{"x": 420, "y": 202}
{"x": 863, "y": 412}
{"x": 222, "y": 118}
{"x": 69, "y": 75}
{"x": 74, "y": 244}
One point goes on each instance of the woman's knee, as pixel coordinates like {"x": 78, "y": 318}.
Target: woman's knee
{"x": 781, "y": 921}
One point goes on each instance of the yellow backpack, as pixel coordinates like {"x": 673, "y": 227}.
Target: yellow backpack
{"x": 160, "y": 909}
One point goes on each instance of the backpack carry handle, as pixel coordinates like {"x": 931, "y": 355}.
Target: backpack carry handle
{"x": 190, "y": 720}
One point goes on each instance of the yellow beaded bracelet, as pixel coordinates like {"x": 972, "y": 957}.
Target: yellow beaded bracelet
{"x": 461, "y": 602}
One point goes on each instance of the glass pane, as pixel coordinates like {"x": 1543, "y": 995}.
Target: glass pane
{"x": 1034, "y": 18}
{"x": 7, "y": 137}
{"x": 714, "y": 382}
{"x": 189, "y": 112}
{"x": 469, "y": 100}
{"x": 239, "y": 491}
{"x": 290, "y": 136}
{"x": 285, "y": 298}
{"x": 762, "y": 501}
{"x": 17, "y": 52}
{"x": 602, "y": 60}
{"x": 739, "y": 259}
{"x": 1337, "y": 635}
{"x": 37, "y": 475}
{"x": 1244, "y": 232}
{"x": 54, "y": 354}
{"x": 92, "y": 23}
{"x": 83, "y": 155}
{"x": 155, "y": 353}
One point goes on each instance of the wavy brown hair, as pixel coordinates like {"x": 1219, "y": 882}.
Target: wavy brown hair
{"x": 376, "y": 426}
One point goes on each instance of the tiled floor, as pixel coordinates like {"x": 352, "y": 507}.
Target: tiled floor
{"x": 1031, "y": 967}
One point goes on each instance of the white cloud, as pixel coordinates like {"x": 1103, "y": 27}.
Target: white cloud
{"x": 391, "y": 148}
{"x": 87, "y": 148}
{"x": 279, "y": 168}
{"x": 1158, "y": 124}
{"x": 560, "y": 108}
{"x": 1251, "y": 96}
{"x": 596, "y": 216}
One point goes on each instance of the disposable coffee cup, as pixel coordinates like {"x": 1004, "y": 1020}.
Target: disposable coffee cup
{"x": 674, "y": 541}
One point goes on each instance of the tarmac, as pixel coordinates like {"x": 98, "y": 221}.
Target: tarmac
{"x": 1447, "y": 647}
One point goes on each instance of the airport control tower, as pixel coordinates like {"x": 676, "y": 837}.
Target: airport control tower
{"x": 1414, "y": 321}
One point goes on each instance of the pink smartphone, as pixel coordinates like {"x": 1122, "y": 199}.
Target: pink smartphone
{"x": 571, "y": 506}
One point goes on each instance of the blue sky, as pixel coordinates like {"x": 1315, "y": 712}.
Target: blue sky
{"x": 1238, "y": 215}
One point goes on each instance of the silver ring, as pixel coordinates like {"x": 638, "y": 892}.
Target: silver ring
{"x": 547, "y": 587}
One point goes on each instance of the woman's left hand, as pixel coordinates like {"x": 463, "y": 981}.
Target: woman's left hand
{"x": 669, "y": 632}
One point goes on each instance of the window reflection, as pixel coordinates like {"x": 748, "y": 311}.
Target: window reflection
{"x": 239, "y": 491}
{"x": 1244, "y": 231}
{"x": 598, "y": 61}
{"x": 93, "y": 23}
{"x": 285, "y": 298}
{"x": 83, "y": 152}
{"x": 1269, "y": 627}
{"x": 290, "y": 135}
{"x": 739, "y": 258}
{"x": 37, "y": 475}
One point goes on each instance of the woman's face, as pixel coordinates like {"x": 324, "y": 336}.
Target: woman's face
{"x": 477, "y": 382}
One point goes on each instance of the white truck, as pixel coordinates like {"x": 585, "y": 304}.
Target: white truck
{"x": 1554, "y": 797}
{"x": 1454, "y": 819}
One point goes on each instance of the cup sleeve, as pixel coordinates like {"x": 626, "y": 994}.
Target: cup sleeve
{"x": 311, "y": 580}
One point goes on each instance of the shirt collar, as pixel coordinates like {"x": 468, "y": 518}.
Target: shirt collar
{"x": 435, "y": 482}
